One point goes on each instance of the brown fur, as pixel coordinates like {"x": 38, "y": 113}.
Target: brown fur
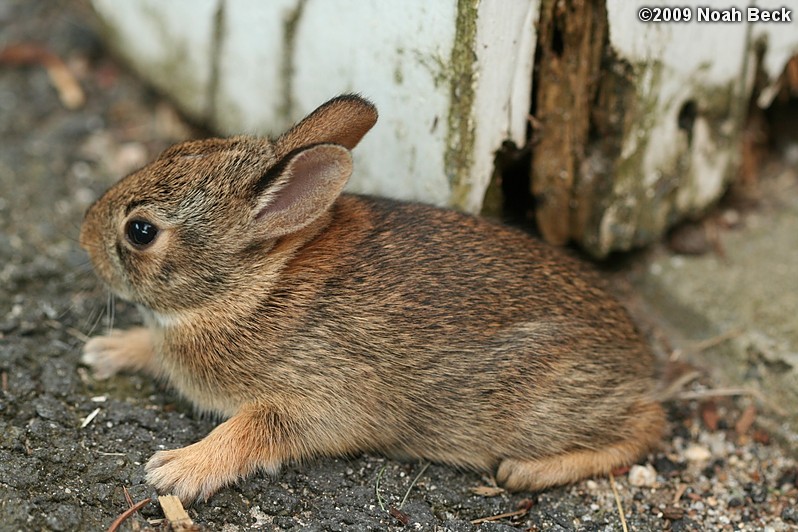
{"x": 360, "y": 324}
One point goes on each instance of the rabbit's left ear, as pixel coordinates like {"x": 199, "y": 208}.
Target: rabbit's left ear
{"x": 307, "y": 183}
{"x": 314, "y": 164}
{"x": 343, "y": 120}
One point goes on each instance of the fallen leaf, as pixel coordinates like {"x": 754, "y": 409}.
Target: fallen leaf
{"x": 709, "y": 414}
{"x": 760, "y": 436}
{"x": 746, "y": 420}
{"x": 399, "y": 515}
{"x": 673, "y": 513}
{"x": 620, "y": 471}
{"x": 525, "y": 504}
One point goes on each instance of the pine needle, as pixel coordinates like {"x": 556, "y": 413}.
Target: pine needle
{"x": 618, "y": 502}
{"x": 423, "y": 469}
{"x": 377, "y": 488}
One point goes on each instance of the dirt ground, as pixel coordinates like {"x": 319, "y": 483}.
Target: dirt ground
{"x": 71, "y": 447}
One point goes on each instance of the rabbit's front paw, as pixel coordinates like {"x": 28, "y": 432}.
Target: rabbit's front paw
{"x": 233, "y": 450}
{"x": 117, "y": 351}
{"x": 189, "y": 473}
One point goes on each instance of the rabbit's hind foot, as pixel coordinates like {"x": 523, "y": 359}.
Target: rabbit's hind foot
{"x": 534, "y": 475}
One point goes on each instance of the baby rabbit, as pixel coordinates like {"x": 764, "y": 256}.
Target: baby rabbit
{"x": 323, "y": 324}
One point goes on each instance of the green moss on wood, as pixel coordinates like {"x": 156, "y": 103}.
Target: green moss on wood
{"x": 287, "y": 68}
{"x": 460, "y": 134}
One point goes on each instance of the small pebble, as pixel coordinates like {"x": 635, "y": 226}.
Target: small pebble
{"x": 666, "y": 466}
{"x": 697, "y": 453}
{"x": 642, "y": 476}
{"x": 673, "y": 512}
{"x": 759, "y": 494}
{"x": 790, "y": 514}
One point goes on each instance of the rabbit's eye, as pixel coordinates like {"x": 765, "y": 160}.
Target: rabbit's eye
{"x": 140, "y": 233}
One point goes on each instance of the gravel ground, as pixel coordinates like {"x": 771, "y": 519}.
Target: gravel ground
{"x": 71, "y": 447}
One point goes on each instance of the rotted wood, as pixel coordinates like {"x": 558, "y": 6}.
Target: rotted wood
{"x": 572, "y": 36}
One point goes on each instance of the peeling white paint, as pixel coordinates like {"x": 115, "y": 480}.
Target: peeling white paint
{"x": 170, "y": 43}
{"x": 504, "y": 27}
{"x": 709, "y": 64}
{"x": 709, "y": 165}
{"x": 262, "y": 65}
{"x": 397, "y": 54}
{"x": 248, "y": 93}
{"x": 368, "y": 51}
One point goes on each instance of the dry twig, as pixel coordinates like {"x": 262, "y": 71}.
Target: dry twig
{"x": 130, "y": 505}
{"x": 71, "y": 331}
{"x": 618, "y": 502}
{"x": 677, "y": 496}
{"x": 88, "y": 419}
{"x": 69, "y": 90}
{"x": 703, "y": 345}
{"x": 498, "y": 517}
{"x": 176, "y": 514}
{"x": 731, "y": 392}
{"x": 127, "y": 513}
{"x": 127, "y": 496}
{"x": 487, "y": 491}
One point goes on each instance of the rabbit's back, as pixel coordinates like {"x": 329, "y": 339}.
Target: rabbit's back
{"x": 450, "y": 334}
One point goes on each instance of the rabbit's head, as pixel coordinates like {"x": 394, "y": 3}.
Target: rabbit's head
{"x": 185, "y": 228}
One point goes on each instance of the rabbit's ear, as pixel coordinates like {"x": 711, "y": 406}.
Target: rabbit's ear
{"x": 300, "y": 188}
{"x": 343, "y": 120}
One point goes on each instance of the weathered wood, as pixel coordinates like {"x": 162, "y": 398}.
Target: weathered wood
{"x": 614, "y": 105}
{"x": 571, "y": 39}
{"x": 641, "y": 123}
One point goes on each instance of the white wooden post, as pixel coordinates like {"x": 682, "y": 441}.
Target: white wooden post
{"x": 453, "y": 80}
